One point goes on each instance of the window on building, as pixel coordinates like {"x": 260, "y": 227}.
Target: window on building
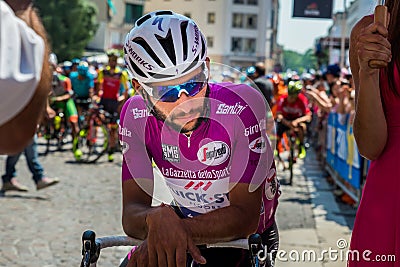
{"x": 188, "y": 15}
{"x": 236, "y": 44}
{"x": 249, "y": 45}
{"x": 211, "y": 18}
{"x": 252, "y": 2}
{"x": 251, "y": 21}
{"x": 133, "y": 12}
{"x": 237, "y": 20}
{"x": 238, "y": 1}
{"x": 210, "y": 41}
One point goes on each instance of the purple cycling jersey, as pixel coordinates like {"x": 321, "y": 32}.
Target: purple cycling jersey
{"x": 230, "y": 146}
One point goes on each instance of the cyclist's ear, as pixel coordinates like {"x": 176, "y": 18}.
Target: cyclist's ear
{"x": 136, "y": 84}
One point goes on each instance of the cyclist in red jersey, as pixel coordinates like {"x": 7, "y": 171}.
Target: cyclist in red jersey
{"x": 293, "y": 113}
{"x": 110, "y": 80}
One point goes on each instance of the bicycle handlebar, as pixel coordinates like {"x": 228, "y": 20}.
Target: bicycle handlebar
{"x": 115, "y": 241}
{"x": 91, "y": 246}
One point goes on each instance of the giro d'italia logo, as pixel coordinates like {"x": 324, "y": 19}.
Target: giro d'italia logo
{"x": 213, "y": 153}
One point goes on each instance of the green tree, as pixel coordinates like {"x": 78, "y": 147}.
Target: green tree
{"x": 299, "y": 62}
{"x": 70, "y": 25}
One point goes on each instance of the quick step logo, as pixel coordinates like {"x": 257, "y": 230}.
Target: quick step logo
{"x": 213, "y": 153}
{"x": 198, "y": 185}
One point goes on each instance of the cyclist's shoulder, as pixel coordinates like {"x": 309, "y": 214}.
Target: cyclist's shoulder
{"x": 135, "y": 106}
{"x": 73, "y": 75}
{"x": 233, "y": 91}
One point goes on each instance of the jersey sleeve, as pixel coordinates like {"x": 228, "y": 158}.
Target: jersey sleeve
{"x": 252, "y": 155}
{"x": 68, "y": 85}
{"x": 21, "y": 62}
{"x": 137, "y": 161}
{"x": 279, "y": 105}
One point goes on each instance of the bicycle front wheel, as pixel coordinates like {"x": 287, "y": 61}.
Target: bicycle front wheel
{"x": 92, "y": 143}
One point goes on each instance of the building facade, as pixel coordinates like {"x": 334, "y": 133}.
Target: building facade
{"x": 116, "y": 18}
{"x": 239, "y": 32}
{"x": 341, "y": 28}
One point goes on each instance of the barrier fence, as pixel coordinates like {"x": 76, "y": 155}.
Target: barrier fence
{"x": 343, "y": 161}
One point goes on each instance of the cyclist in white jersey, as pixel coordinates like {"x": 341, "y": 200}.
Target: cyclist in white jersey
{"x": 207, "y": 139}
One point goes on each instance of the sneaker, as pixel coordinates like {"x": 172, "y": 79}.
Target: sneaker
{"x": 13, "y": 185}
{"x": 46, "y": 182}
{"x": 303, "y": 152}
{"x": 78, "y": 154}
{"x": 110, "y": 157}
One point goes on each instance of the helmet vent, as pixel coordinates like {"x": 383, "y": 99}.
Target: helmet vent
{"x": 192, "y": 65}
{"x": 142, "y": 19}
{"x": 184, "y": 26}
{"x": 163, "y": 12}
{"x": 203, "y": 47}
{"x": 140, "y": 41}
{"x": 160, "y": 76}
{"x": 168, "y": 44}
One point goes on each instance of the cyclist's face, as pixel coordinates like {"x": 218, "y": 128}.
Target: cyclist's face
{"x": 184, "y": 113}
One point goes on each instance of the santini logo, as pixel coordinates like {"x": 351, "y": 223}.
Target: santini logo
{"x": 227, "y": 109}
{"x": 213, "y": 153}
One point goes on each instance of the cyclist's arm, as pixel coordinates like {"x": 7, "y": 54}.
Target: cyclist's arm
{"x": 305, "y": 118}
{"x": 370, "y": 128}
{"x": 100, "y": 81}
{"x": 280, "y": 118}
{"x": 238, "y": 220}
{"x": 136, "y": 205}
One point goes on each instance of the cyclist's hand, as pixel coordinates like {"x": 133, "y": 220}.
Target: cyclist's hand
{"x": 294, "y": 124}
{"x": 372, "y": 43}
{"x": 140, "y": 257}
{"x": 168, "y": 240}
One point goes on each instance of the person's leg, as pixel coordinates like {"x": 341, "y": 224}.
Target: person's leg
{"x": 32, "y": 160}
{"x": 9, "y": 182}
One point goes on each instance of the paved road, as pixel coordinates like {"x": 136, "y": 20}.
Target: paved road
{"x": 43, "y": 228}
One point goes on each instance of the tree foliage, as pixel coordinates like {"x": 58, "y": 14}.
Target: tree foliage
{"x": 70, "y": 25}
{"x": 299, "y": 62}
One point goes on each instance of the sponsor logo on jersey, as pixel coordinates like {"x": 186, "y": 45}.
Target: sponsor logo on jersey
{"x": 260, "y": 126}
{"x": 213, "y": 153}
{"x": 228, "y": 109}
{"x": 171, "y": 153}
{"x": 124, "y": 146}
{"x": 124, "y": 131}
{"x": 140, "y": 113}
{"x": 258, "y": 145}
{"x": 196, "y": 185}
{"x": 200, "y": 196}
{"x": 271, "y": 186}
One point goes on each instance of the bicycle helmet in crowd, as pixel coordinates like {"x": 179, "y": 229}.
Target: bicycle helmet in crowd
{"x": 83, "y": 68}
{"x": 294, "y": 87}
{"x": 113, "y": 53}
{"x": 163, "y": 46}
{"x": 53, "y": 59}
{"x": 75, "y": 61}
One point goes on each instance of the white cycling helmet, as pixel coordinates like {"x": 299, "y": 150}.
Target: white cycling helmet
{"x": 163, "y": 46}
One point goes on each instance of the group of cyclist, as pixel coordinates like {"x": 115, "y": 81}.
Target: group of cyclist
{"x": 77, "y": 83}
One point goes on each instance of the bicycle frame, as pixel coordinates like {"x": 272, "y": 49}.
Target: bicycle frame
{"x": 91, "y": 247}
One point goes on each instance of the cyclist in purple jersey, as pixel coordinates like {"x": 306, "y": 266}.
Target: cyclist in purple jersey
{"x": 209, "y": 142}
